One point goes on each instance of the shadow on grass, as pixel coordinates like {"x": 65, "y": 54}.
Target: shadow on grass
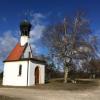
{"x": 79, "y": 81}
{"x": 2, "y": 97}
{"x": 58, "y": 84}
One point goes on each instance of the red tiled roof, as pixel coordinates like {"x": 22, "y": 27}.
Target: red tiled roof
{"x": 16, "y": 53}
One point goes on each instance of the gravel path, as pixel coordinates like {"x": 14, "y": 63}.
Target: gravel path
{"x": 35, "y": 94}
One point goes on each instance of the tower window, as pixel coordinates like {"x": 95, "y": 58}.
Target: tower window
{"x": 20, "y": 70}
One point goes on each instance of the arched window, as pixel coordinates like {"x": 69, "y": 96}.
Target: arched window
{"x": 20, "y": 70}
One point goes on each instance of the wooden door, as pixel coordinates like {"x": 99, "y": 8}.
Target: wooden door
{"x": 37, "y": 75}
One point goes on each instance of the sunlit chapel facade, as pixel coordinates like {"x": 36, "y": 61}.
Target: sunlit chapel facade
{"x": 21, "y": 67}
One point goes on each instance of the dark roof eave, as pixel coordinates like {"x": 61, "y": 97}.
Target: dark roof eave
{"x": 26, "y": 59}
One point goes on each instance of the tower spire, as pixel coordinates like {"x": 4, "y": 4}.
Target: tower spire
{"x": 25, "y": 28}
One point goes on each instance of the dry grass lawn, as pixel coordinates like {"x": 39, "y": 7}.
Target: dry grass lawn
{"x": 85, "y": 89}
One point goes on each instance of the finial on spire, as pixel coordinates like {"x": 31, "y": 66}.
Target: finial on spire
{"x": 25, "y": 27}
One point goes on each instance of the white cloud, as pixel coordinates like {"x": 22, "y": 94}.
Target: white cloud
{"x": 4, "y": 19}
{"x": 37, "y": 18}
{"x": 35, "y": 35}
{"x": 37, "y": 30}
{"x": 7, "y": 42}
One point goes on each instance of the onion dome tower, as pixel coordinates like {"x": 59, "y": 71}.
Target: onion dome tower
{"x": 25, "y": 27}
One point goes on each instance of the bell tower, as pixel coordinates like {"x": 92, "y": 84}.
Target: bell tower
{"x": 25, "y": 28}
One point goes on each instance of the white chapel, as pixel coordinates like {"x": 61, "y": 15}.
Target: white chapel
{"x": 21, "y": 68}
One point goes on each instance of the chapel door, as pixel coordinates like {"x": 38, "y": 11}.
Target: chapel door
{"x": 37, "y": 75}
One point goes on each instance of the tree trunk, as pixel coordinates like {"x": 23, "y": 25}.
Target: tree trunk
{"x": 65, "y": 74}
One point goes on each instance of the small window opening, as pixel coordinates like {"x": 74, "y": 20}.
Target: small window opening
{"x": 20, "y": 70}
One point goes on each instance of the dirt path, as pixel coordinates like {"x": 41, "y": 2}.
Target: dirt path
{"x": 35, "y": 94}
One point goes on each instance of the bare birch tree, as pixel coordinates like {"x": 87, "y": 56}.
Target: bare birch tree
{"x": 65, "y": 41}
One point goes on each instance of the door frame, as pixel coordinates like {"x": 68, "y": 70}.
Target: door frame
{"x": 37, "y": 74}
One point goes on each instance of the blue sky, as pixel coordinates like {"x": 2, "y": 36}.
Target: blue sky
{"x": 12, "y": 11}
{"x": 40, "y": 13}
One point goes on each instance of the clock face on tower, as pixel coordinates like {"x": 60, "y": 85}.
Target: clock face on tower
{"x": 25, "y": 28}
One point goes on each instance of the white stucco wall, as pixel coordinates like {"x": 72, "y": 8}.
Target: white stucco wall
{"x": 32, "y": 67}
{"x": 24, "y": 40}
{"x": 31, "y": 78}
{"x": 11, "y": 70}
